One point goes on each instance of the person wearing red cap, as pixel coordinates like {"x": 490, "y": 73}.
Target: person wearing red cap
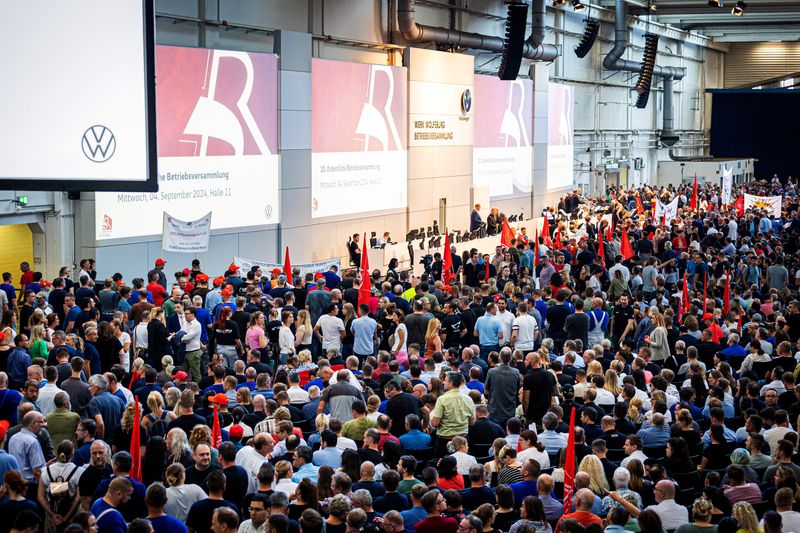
{"x": 157, "y": 290}
{"x": 159, "y": 269}
{"x": 234, "y": 278}
{"x": 7, "y": 461}
{"x": 201, "y": 287}
{"x": 214, "y": 296}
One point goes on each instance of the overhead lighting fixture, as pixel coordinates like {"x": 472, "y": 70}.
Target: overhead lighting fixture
{"x": 577, "y": 6}
{"x": 559, "y": 2}
{"x": 715, "y": 3}
{"x": 738, "y": 10}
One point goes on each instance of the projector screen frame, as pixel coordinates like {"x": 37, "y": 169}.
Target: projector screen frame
{"x": 150, "y": 184}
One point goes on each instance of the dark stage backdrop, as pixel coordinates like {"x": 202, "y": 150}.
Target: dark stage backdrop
{"x": 764, "y": 124}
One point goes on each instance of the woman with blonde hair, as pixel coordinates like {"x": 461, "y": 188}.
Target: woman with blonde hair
{"x": 433, "y": 342}
{"x": 612, "y": 382}
{"x": 173, "y": 395}
{"x": 254, "y": 335}
{"x": 321, "y": 423}
{"x": 156, "y": 422}
{"x": 373, "y": 403}
{"x": 746, "y": 518}
{"x": 303, "y": 333}
{"x": 400, "y": 346}
{"x": 464, "y": 461}
{"x": 59, "y": 511}
{"x": 178, "y": 449}
{"x": 283, "y": 478}
{"x": 304, "y": 360}
{"x": 38, "y": 342}
{"x": 595, "y": 368}
{"x": 495, "y": 465}
{"x": 349, "y": 312}
{"x": 180, "y": 497}
{"x": 597, "y": 476}
{"x": 168, "y": 366}
{"x": 657, "y": 340}
{"x": 122, "y": 440}
{"x": 244, "y": 397}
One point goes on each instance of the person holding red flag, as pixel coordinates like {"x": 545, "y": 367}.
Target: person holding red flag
{"x": 693, "y": 201}
{"x": 507, "y": 235}
{"x": 447, "y": 269}
{"x": 625, "y": 250}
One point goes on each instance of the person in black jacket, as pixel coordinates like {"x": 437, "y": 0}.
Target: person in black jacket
{"x": 157, "y": 339}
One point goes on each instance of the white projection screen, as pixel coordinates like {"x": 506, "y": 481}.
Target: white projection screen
{"x": 560, "y": 133}
{"x": 77, "y": 99}
{"x": 359, "y": 154}
{"x": 502, "y": 158}
{"x": 217, "y": 146}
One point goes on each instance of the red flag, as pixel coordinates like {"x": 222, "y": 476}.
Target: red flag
{"x": 684, "y": 299}
{"x": 486, "y": 277}
{"x": 136, "y": 443}
{"x": 601, "y": 250}
{"x": 569, "y": 465}
{"x": 365, "y": 289}
{"x": 134, "y": 379}
{"x": 610, "y": 230}
{"x": 693, "y": 202}
{"x": 536, "y": 248}
{"x": 625, "y": 249}
{"x": 506, "y": 235}
{"x": 287, "y": 266}
{"x": 739, "y": 206}
{"x": 726, "y": 304}
{"x": 546, "y": 233}
{"x": 216, "y": 430}
{"x": 739, "y": 325}
{"x": 705, "y": 283}
{"x": 639, "y": 206}
{"x": 557, "y": 239}
{"x": 447, "y": 271}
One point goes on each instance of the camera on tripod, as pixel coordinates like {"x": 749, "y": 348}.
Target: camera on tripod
{"x": 426, "y": 262}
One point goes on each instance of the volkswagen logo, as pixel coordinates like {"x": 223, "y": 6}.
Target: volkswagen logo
{"x": 98, "y": 144}
{"x": 268, "y": 211}
{"x": 466, "y": 102}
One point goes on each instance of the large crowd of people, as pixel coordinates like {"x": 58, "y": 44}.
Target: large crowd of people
{"x": 278, "y": 402}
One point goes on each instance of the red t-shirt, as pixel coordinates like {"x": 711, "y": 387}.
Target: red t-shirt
{"x": 455, "y": 483}
{"x": 26, "y": 279}
{"x": 584, "y": 517}
{"x": 437, "y": 524}
{"x": 158, "y": 292}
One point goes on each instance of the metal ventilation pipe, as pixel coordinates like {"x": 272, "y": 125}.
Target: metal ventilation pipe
{"x": 534, "y": 47}
{"x": 614, "y": 61}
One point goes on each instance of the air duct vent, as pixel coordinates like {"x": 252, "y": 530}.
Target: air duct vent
{"x": 646, "y": 74}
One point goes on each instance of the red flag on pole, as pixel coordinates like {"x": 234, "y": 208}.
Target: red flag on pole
{"x": 726, "y": 304}
{"x": 601, "y": 250}
{"x": 365, "y": 289}
{"x": 447, "y": 271}
{"x": 684, "y": 299}
{"x": 625, "y": 249}
{"x": 546, "y": 233}
{"x": 705, "y": 286}
{"x": 610, "y": 230}
{"x": 569, "y": 465}
{"x": 739, "y": 325}
{"x": 134, "y": 379}
{"x": 287, "y": 267}
{"x": 639, "y": 206}
{"x": 693, "y": 203}
{"x": 557, "y": 239}
{"x": 506, "y": 235}
{"x": 536, "y": 248}
{"x": 216, "y": 430}
{"x": 136, "y": 443}
{"x": 739, "y": 206}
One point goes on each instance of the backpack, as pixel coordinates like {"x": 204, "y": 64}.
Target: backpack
{"x": 58, "y": 492}
{"x": 157, "y": 426}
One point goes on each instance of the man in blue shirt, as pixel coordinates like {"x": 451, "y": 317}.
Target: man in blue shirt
{"x": 18, "y": 362}
{"x": 104, "y": 408}
{"x": 656, "y": 434}
{"x": 417, "y": 513}
{"x": 329, "y": 454}
{"x": 156, "y": 499}
{"x": 109, "y": 519}
{"x": 489, "y": 331}
{"x": 303, "y": 465}
{"x": 413, "y": 438}
{"x": 364, "y": 331}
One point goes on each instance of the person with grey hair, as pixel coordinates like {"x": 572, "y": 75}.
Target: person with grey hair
{"x": 584, "y": 500}
{"x": 657, "y": 433}
{"x": 470, "y": 524}
{"x": 622, "y": 477}
{"x": 25, "y": 447}
{"x": 104, "y": 408}
{"x": 552, "y": 441}
{"x": 477, "y": 493}
{"x": 392, "y": 522}
{"x": 362, "y": 499}
{"x": 501, "y": 387}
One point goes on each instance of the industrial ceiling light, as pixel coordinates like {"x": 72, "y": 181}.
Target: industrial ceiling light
{"x": 559, "y": 2}
{"x": 577, "y": 6}
{"x": 738, "y": 10}
{"x": 715, "y": 3}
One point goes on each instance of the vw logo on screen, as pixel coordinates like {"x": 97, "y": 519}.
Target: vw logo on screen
{"x": 98, "y": 144}
{"x": 466, "y": 102}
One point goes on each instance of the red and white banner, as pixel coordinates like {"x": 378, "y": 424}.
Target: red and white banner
{"x": 358, "y": 138}
{"x": 217, "y": 145}
{"x": 502, "y": 157}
